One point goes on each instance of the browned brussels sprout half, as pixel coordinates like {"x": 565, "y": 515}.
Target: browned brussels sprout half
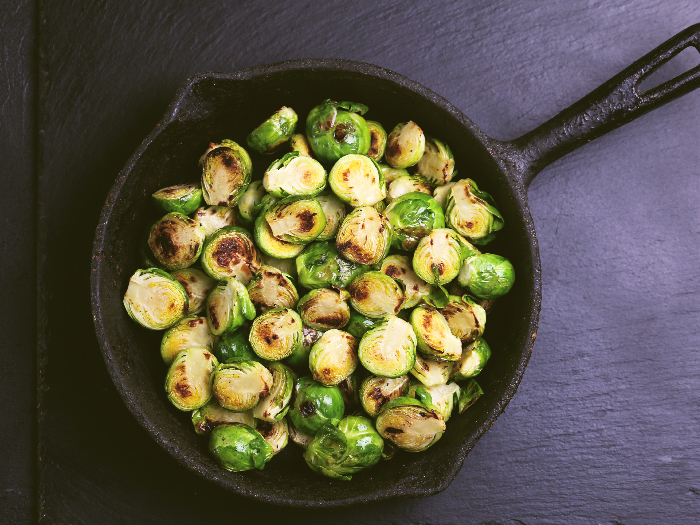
{"x": 226, "y": 171}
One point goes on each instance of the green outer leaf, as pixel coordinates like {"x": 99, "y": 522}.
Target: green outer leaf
{"x": 276, "y": 130}
{"x": 412, "y": 217}
{"x": 323, "y": 125}
{"x": 184, "y": 203}
{"x": 315, "y": 405}
{"x": 321, "y": 266}
{"x": 238, "y": 447}
{"x": 468, "y": 395}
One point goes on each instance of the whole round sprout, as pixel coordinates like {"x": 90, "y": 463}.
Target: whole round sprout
{"x": 155, "y": 300}
{"x": 271, "y": 245}
{"x": 251, "y": 202}
{"x": 299, "y": 358}
{"x": 276, "y": 334}
{"x": 226, "y": 171}
{"x": 276, "y": 433}
{"x": 333, "y": 357}
{"x": 197, "y": 284}
{"x": 228, "y": 306}
{"x": 324, "y": 309}
{"x": 438, "y": 256}
{"x": 487, "y": 275}
{"x": 315, "y": 405}
{"x": 299, "y": 143}
{"x": 407, "y": 184}
{"x": 238, "y": 447}
{"x": 335, "y": 129}
{"x": 472, "y": 213}
{"x": 443, "y": 397}
{"x": 357, "y": 180}
{"x": 276, "y": 404}
{"x": 359, "y": 324}
{"x": 465, "y": 317}
{"x": 474, "y": 358}
{"x": 214, "y": 218}
{"x": 431, "y": 372}
{"x": 437, "y": 164}
{"x": 295, "y": 175}
{"x": 270, "y": 288}
{"x": 176, "y": 241}
{"x": 413, "y": 216}
{"x": 188, "y": 382}
{"x": 410, "y": 424}
{"x": 377, "y": 140}
{"x": 377, "y": 391}
{"x": 235, "y": 345}
{"x": 434, "y": 337}
{"x": 275, "y": 131}
{"x": 364, "y": 236}
{"x": 415, "y": 289}
{"x": 230, "y": 252}
{"x": 183, "y": 198}
{"x": 211, "y": 415}
{"x": 241, "y": 384}
{"x": 334, "y": 211}
{"x": 321, "y": 266}
{"x": 389, "y": 350}
{"x": 405, "y": 145}
{"x": 189, "y": 332}
{"x": 298, "y": 220}
{"x": 376, "y": 295}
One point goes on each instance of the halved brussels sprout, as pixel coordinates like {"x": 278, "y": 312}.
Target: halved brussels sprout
{"x": 364, "y": 236}
{"x": 333, "y": 357}
{"x": 287, "y": 266}
{"x": 235, "y": 345}
{"x": 407, "y": 184}
{"x": 241, "y": 384}
{"x": 155, "y": 300}
{"x": 299, "y": 143}
{"x": 315, "y": 405}
{"x": 410, "y": 425}
{"x": 183, "y": 198}
{"x": 441, "y": 193}
{"x": 276, "y": 404}
{"x": 338, "y": 452}
{"x": 435, "y": 340}
{"x": 359, "y": 324}
{"x": 270, "y": 288}
{"x": 377, "y": 391}
{"x": 324, "y": 309}
{"x": 465, "y": 317}
{"x": 197, "y": 284}
{"x": 176, "y": 241}
{"x": 295, "y": 175}
{"x": 299, "y": 358}
{"x": 271, "y": 245}
{"x": 188, "y": 383}
{"x": 349, "y": 387}
{"x": 191, "y": 331}
{"x": 298, "y": 220}
{"x": 415, "y": 289}
{"x": 376, "y": 295}
{"x": 228, "y": 306}
{"x": 335, "y": 129}
{"x": 251, "y": 202}
{"x": 297, "y": 436}
{"x": 438, "y": 256}
{"x": 276, "y": 433}
{"x": 391, "y": 174}
{"x": 357, "y": 179}
{"x": 334, "y": 211}
{"x": 443, "y": 397}
{"x": 487, "y": 275}
{"x": 431, "y": 372}
{"x": 389, "y": 350}
{"x": 238, "y": 447}
{"x": 226, "y": 171}
{"x": 412, "y": 217}
{"x": 276, "y": 333}
{"x": 377, "y": 140}
{"x": 468, "y": 395}
{"x": 472, "y": 213}
{"x": 230, "y": 252}
{"x": 321, "y": 266}
{"x": 474, "y": 358}
{"x": 437, "y": 164}
{"x": 405, "y": 145}
{"x": 275, "y": 131}
{"x": 211, "y": 415}
{"x": 214, "y": 218}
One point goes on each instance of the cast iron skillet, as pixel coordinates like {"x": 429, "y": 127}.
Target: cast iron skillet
{"x": 213, "y": 106}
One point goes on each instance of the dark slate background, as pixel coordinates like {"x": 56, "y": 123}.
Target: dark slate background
{"x": 605, "y": 427}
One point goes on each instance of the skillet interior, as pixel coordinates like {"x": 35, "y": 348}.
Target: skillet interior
{"x": 215, "y": 106}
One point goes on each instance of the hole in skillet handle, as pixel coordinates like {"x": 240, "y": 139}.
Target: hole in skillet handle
{"x": 687, "y": 59}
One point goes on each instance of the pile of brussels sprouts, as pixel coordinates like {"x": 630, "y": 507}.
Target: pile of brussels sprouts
{"x": 377, "y": 353}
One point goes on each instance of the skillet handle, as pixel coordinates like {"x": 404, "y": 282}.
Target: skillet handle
{"x": 613, "y": 104}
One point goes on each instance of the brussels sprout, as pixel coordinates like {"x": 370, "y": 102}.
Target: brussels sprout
{"x": 472, "y": 213}
{"x": 275, "y": 131}
{"x": 474, "y": 358}
{"x": 176, "y": 241}
{"x": 226, "y": 171}
{"x": 441, "y": 193}
{"x": 410, "y": 424}
{"x": 276, "y": 334}
{"x": 211, "y": 415}
{"x": 324, "y": 309}
{"x": 315, "y": 405}
{"x": 442, "y": 397}
{"x": 155, "y": 300}
{"x": 299, "y": 143}
{"x": 377, "y": 140}
{"x": 364, "y": 236}
{"x": 333, "y": 357}
{"x": 299, "y": 358}
{"x": 407, "y": 184}
{"x": 241, "y": 384}
{"x": 214, "y": 218}
{"x": 334, "y": 211}
{"x": 438, "y": 256}
{"x": 349, "y": 387}
{"x": 298, "y": 220}
{"x": 431, "y": 372}
{"x": 295, "y": 175}
{"x": 376, "y": 295}
{"x": 405, "y": 145}
{"x": 235, "y": 345}
{"x": 338, "y": 452}
{"x": 360, "y": 324}
{"x": 391, "y": 174}
{"x": 357, "y": 180}
{"x": 276, "y": 404}
{"x": 437, "y": 164}
{"x": 389, "y": 350}
{"x": 321, "y": 266}
{"x": 271, "y": 245}
{"x": 297, "y": 436}
{"x": 230, "y": 252}
{"x": 465, "y": 317}
{"x": 415, "y": 289}
{"x": 412, "y": 217}
{"x": 335, "y": 129}
{"x": 183, "y": 198}
{"x": 435, "y": 340}
{"x": 276, "y": 433}
{"x": 228, "y": 306}
{"x": 468, "y": 395}
{"x": 238, "y": 447}
{"x": 377, "y": 391}
{"x": 487, "y": 275}
{"x": 188, "y": 383}
{"x": 288, "y": 266}
{"x": 251, "y": 202}
{"x": 197, "y": 284}
{"x": 270, "y": 289}
{"x": 146, "y": 257}
{"x": 189, "y": 332}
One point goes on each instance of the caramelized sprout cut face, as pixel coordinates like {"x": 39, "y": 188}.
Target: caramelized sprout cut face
{"x": 415, "y": 289}
{"x": 377, "y": 140}
{"x": 389, "y": 350}
{"x": 405, "y": 145}
{"x": 438, "y": 256}
{"x": 276, "y": 404}
{"x": 377, "y": 391}
{"x": 410, "y": 425}
{"x": 190, "y": 332}
{"x": 271, "y": 245}
{"x": 295, "y": 175}
{"x": 211, "y": 415}
{"x": 228, "y": 306}
{"x": 298, "y": 220}
{"x": 376, "y": 295}
{"x": 357, "y": 180}
{"x": 333, "y": 357}
{"x": 197, "y": 284}
{"x": 407, "y": 184}
{"x": 334, "y": 210}
{"x": 226, "y": 171}
{"x": 324, "y": 309}
{"x": 176, "y": 241}
{"x": 431, "y": 372}
{"x": 155, "y": 300}
{"x": 230, "y": 252}
{"x": 241, "y": 384}
{"x": 465, "y": 317}
{"x": 271, "y": 288}
{"x": 437, "y": 164}
{"x": 474, "y": 358}
{"x": 472, "y": 213}
{"x": 435, "y": 340}
{"x": 364, "y": 236}
{"x": 214, "y": 218}
{"x": 188, "y": 382}
{"x": 276, "y": 433}
{"x": 276, "y": 334}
